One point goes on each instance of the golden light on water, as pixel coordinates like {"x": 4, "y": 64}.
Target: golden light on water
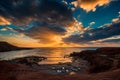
{"x": 56, "y": 56}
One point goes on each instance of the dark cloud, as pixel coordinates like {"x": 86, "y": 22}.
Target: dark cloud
{"x": 42, "y": 31}
{"x": 95, "y": 34}
{"x": 43, "y": 19}
{"x": 113, "y": 40}
{"x": 23, "y": 11}
{"x": 44, "y": 27}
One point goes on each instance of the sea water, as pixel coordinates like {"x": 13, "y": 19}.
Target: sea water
{"x": 54, "y": 55}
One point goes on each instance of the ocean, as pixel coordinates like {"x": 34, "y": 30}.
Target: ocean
{"x": 54, "y": 55}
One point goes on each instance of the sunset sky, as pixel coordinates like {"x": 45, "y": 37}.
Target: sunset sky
{"x": 60, "y": 23}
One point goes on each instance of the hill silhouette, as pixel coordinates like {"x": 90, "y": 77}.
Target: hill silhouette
{"x": 5, "y": 46}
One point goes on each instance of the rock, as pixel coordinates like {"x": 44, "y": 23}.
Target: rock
{"x": 29, "y": 60}
{"x": 72, "y": 73}
{"x": 101, "y": 59}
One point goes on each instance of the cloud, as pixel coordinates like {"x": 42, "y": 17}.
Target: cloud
{"x": 92, "y": 23}
{"x": 49, "y": 33}
{"x": 74, "y": 28}
{"x": 108, "y": 40}
{"x": 50, "y": 21}
{"x": 22, "y": 12}
{"x": 4, "y": 21}
{"x": 116, "y": 20}
{"x": 18, "y": 41}
{"x": 95, "y": 34}
{"x": 89, "y": 5}
{"x": 43, "y": 20}
{"x": 44, "y": 32}
{"x": 119, "y": 14}
{"x": 8, "y": 28}
{"x": 112, "y": 41}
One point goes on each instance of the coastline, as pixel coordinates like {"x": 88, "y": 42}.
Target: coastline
{"x": 14, "y": 70}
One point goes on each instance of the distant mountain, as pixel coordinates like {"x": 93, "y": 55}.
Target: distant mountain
{"x": 4, "y": 46}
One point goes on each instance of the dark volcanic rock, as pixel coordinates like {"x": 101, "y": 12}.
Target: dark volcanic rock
{"x": 4, "y": 46}
{"x": 101, "y": 59}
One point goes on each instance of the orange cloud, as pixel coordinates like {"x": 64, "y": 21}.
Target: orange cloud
{"x": 74, "y": 27}
{"x": 4, "y": 21}
{"x": 116, "y": 20}
{"x": 89, "y": 5}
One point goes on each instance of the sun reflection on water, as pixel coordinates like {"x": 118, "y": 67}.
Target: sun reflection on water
{"x": 54, "y": 55}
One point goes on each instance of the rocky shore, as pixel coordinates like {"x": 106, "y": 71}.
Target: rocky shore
{"x": 22, "y": 72}
{"x": 99, "y": 60}
{"x": 99, "y": 64}
{"x": 33, "y": 63}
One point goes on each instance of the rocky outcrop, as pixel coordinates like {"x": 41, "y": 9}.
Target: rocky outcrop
{"x": 4, "y": 46}
{"x": 28, "y": 61}
{"x": 101, "y": 59}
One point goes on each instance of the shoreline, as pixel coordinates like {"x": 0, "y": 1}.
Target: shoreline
{"x": 21, "y": 72}
{"x": 79, "y": 69}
